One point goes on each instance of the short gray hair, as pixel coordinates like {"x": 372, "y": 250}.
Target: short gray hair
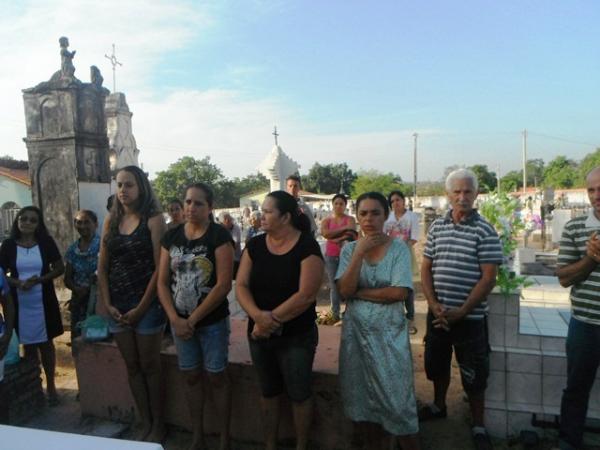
{"x": 461, "y": 174}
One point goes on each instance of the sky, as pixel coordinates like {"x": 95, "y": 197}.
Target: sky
{"x": 343, "y": 80}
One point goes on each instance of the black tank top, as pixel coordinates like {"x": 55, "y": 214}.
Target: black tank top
{"x": 130, "y": 266}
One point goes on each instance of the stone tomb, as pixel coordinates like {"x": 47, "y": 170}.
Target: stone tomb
{"x": 67, "y": 146}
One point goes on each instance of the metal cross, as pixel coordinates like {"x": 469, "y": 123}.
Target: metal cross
{"x": 113, "y": 60}
{"x": 275, "y": 134}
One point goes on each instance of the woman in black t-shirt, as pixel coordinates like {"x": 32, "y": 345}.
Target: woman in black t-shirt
{"x": 196, "y": 266}
{"x": 279, "y": 276}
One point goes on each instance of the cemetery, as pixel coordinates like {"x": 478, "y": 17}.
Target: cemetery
{"x": 79, "y": 134}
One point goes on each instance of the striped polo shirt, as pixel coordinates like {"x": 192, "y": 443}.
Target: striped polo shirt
{"x": 585, "y": 295}
{"x": 457, "y": 251}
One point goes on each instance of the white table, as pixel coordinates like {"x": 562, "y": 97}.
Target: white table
{"x": 16, "y": 438}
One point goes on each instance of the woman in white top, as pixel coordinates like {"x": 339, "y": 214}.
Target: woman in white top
{"x": 404, "y": 224}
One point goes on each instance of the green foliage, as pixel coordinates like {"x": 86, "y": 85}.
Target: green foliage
{"x": 560, "y": 173}
{"x": 428, "y": 188}
{"x": 512, "y": 181}
{"x": 328, "y": 178}
{"x": 500, "y": 210}
{"x": 487, "y": 180}
{"x": 172, "y": 182}
{"x": 590, "y": 161}
{"x": 373, "y": 180}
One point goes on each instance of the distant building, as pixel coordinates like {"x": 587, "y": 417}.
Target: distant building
{"x": 15, "y": 191}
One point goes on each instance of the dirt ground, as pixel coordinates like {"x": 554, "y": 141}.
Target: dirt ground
{"x": 447, "y": 434}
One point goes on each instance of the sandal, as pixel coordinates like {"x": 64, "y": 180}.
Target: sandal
{"x": 426, "y": 413}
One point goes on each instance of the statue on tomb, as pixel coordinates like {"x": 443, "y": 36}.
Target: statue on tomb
{"x": 67, "y": 69}
{"x": 96, "y": 77}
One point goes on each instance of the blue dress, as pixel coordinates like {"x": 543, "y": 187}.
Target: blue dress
{"x": 376, "y": 372}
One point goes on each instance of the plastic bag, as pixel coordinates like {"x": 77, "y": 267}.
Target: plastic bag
{"x": 12, "y": 354}
{"x": 94, "y": 328}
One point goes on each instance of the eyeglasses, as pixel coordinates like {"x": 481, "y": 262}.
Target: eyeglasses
{"x": 28, "y": 219}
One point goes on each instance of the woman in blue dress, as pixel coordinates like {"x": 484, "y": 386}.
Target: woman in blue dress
{"x": 376, "y": 373}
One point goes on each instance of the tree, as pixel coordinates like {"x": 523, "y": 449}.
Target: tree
{"x": 172, "y": 182}
{"x": 589, "y": 161}
{"x": 329, "y": 178}
{"x": 560, "y": 173}
{"x": 373, "y": 180}
{"x": 512, "y": 181}
{"x": 487, "y": 180}
{"x": 535, "y": 172}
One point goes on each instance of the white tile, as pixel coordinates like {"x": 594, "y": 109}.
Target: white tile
{"x": 518, "y": 421}
{"x": 595, "y": 396}
{"x": 528, "y": 342}
{"x": 511, "y": 331}
{"x": 524, "y": 388}
{"x": 495, "y": 422}
{"x": 496, "y": 390}
{"x": 511, "y": 307}
{"x": 523, "y": 363}
{"x": 496, "y": 303}
{"x": 554, "y": 365}
{"x": 552, "y": 387}
{"x": 496, "y": 329}
{"x": 553, "y": 343}
{"x": 497, "y": 360}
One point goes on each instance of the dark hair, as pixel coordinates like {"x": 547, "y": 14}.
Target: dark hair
{"x": 41, "y": 231}
{"x": 342, "y": 196}
{"x": 295, "y": 178}
{"x": 147, "y": 206}
{"x": 374, "y": 196}
{"x": 287, "y": 204}
{"x": 209, "y": 195}
{"x": 91, "y": 214}
{"x": 109, "y": 202}
{"x": 398, "y": 193}
{"x": 175, "y": 200}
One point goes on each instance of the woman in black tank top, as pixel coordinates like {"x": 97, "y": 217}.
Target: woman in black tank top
{"x": 127, "y": 272}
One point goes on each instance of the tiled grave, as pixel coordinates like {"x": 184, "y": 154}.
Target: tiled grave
{"x": 527, "y": 334}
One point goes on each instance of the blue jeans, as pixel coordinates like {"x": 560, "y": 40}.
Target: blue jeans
{"x": 207, "y": 348}
{"x": 583, "y": 358}
{"x": 331, "y": 265}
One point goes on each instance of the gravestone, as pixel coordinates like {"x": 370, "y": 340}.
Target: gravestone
{"x": 67, "y": 146}
{"x": 123, "y": 150}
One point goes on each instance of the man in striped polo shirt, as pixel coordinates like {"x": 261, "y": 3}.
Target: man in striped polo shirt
{"x": 578, "y": 267}
{"x": 460, "y": 263}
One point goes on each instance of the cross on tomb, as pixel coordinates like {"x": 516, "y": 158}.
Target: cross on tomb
{"x": 113, "y": 60}
{"x": 275, "y": 134}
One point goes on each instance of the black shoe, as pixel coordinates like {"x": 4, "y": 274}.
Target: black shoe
{"x": 482, "y": 441}
{"x": 425, "y": 413}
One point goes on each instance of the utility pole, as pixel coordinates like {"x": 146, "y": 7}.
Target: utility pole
{"x": 498, "y": 179}
{"x": 524, "y": 162}
{"x": 415, "y": 136}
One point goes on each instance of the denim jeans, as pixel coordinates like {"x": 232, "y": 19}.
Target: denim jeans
{"x": 331, "y": 265}
{"x": 583, "y": 357}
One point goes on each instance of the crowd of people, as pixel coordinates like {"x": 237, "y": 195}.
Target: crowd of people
{"x": 148, "y": 274}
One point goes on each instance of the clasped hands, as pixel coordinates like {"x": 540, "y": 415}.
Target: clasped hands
{"x": 593, "y": 247}
{"x": 444, "y": 318}
{"x": 265, "y": 324}
{"x": 129, "y": 319}
{"x": 27, "y": 284}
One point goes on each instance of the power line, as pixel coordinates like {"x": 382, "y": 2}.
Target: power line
{"x": 557, "y": 138}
